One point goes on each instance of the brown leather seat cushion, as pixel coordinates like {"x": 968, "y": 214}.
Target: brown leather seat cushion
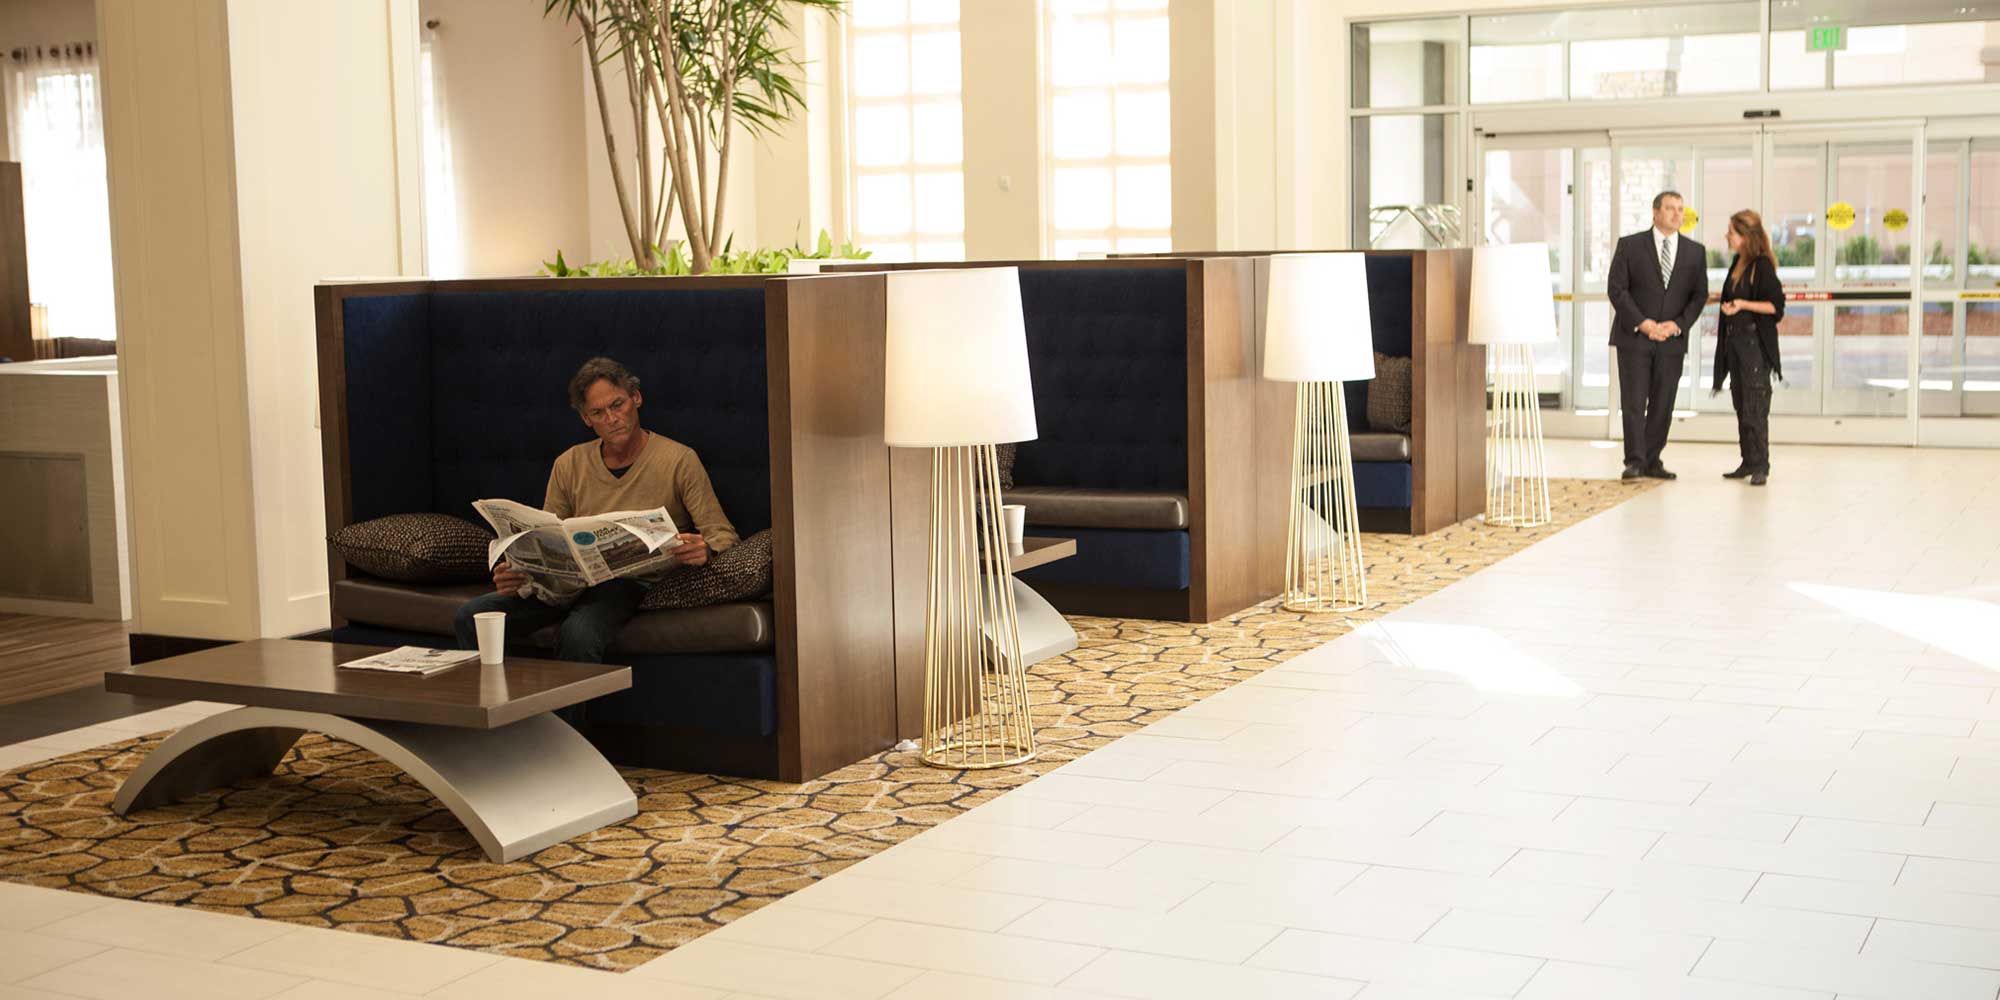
{"x": 735, "y": 627}
{"x": 1081, "y": 507}
{"x": 1370, "y": 446}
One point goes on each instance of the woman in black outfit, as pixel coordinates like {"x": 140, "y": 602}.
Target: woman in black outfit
{"x": 1752, "y": 303}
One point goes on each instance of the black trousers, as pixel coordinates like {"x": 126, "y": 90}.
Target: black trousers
{"x": 1750, "y": 390}
{"x": 1649, "y": 374}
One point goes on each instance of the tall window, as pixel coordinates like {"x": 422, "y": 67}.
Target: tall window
{"x": 1109, "y": 136}
{"x": 55, "y": 118}
{"x": 906, "y": 160}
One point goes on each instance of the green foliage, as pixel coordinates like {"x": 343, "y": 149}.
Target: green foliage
{"x": 1715, "y": 259}
{"x": 674, "y": 261}
{"x": 1797, "y": 253}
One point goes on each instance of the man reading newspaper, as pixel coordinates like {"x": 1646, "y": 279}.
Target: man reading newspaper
{"x": 626, "y": 471}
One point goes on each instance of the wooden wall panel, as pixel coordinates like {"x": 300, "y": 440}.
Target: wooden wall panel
{"x": 1276, "y": 406}
{"x": 833, "y": 592}
{"x": 1223, "y": 402}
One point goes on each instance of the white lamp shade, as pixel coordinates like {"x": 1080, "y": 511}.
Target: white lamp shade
{"x": 957, "y": 359}
{"x": 1316, "y": 325}
{"x": 1511, "y": 299}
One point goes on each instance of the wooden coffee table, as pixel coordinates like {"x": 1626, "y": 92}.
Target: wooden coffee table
{"x": 480, "y": 738}
{"x": 1044, "y": 631}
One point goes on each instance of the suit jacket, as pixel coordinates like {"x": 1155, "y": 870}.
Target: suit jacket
{"x": 1637, "y": 295}
{"x": 1760, "y": 284}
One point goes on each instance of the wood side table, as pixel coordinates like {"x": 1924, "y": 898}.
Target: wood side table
{"x": 481, "y": 738}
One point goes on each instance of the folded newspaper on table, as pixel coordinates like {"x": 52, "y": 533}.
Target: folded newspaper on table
{"x": 562, "y": 556}
{"x": 414, "y": 660}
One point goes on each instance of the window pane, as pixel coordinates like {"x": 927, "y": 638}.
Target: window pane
{"x": 1982, "y": 233}
{"x": 1870, "y": 359}
{"x": 1504, "y": 73}
{"x": 934, "y": 62}
{"x": 1145, "y": 244}
{"x": 934, "y": 12}
{"x": 1082, "y": 52}
{"x": 1142, "y": 50}
{"x": 883, "y": 204}
{"x": 887, "y": 253}
{"x": 1399, "y": 64}
{"x": 1145, "y": 198}
{"x": 1066, "y": 8}
{"x": 940, "y": 203}
{"x": 1144, "y": 124}
{"x": 1401, "y": 160}
{"x": 1792, "y": 67}
{"x": 1792, "y": 218}
{"x": 881, "y": 135}
{"x": 1081, "y": 126}
{"x": 1982, "y": 359}
{"x": 941, "y": 251}
{"x": 1629, "y": 68}
{"x": 1142, "y": 5}
{"x": 1918, "y": 53}
{"x": 1083, "y": 198}
{"x": 1941, "y": 222}
{"x": 875, "y": 13}
{"x": 1877, "y": 183}
{"x": 940, "y": 134}
{"x": 881, "y": 66}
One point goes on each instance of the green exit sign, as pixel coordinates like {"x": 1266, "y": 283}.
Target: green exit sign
{"x": 1826, "y": 38}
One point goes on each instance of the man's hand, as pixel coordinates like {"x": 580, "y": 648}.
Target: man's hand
{"x": 1651, "y": 328}
{"x": 1669, "y": 329}
{"x": 507, "y": 579}
{"x": 693, "y": 550}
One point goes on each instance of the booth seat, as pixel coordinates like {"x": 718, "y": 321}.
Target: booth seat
{"x": 437, "y": 394}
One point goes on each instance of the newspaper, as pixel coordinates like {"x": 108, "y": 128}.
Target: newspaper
{"x": 562, "y": 556}
{"x": 414, "y": 660}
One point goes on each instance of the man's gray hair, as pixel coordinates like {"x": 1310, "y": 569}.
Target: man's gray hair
{"x": 1664, "y": 195}
{"x": 592, "y": 372}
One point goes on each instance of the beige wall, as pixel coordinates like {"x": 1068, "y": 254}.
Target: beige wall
{"x": 1000, "y": 78}
{"x": 252, "y": 148}
{"x": 511, "y": 99}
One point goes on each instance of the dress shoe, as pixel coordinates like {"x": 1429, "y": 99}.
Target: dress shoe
{"x": 1660, "y": 472}
{"x": 1632, "y": 472}
{"x": 1759, "y": 478}
{"x": 1742, "y": 472}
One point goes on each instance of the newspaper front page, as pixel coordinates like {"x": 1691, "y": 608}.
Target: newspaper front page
{"x": 562, "y": 556}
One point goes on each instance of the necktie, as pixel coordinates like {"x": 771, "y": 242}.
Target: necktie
{"x": 1666, "y": 263}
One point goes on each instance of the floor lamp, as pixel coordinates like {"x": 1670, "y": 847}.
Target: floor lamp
{"x": 1512, "y": 310}
{"x": 1316, "y": 333}
{"x": 957, "y": 383}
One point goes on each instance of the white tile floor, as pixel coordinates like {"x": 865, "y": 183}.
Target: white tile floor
{"x": 1719, "y": 743}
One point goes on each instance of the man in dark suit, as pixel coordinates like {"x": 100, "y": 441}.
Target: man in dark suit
{"x": 1659, "y": 286}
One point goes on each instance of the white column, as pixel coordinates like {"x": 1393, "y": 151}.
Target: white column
{"x": 1224, "y": 65}
{"x": 1001, "y": 82}
{"x": 252, "y": 149}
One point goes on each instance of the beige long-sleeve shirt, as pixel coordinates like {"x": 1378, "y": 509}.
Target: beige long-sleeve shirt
{"x": 666, "y": 474}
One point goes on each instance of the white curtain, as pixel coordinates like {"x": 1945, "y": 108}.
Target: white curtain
{"x": 443, "y": 240}
{"x": 55, "y": 121}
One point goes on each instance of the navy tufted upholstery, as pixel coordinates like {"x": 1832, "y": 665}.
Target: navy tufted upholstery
{"x": 1107, "y": 349}
{"x": 388, "y": 359}
{"x": 502, "y": 362}
{"x": 1110, "y": 557}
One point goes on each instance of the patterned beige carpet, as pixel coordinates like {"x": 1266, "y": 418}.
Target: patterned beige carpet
{"x": 339, "y": 838}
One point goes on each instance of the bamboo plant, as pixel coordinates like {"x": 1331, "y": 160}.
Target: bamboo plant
{"x": 694, "y": 70}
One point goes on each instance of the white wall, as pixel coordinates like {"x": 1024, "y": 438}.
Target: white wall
{"x": 512, "y": 97}
{"x": 252, "y": 148}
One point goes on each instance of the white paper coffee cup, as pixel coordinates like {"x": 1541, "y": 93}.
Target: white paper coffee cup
{"x": 492, "y": 629}
{"x": 1015, "y": 517}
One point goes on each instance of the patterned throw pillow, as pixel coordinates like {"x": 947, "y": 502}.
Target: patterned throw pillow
{"x": 1389, "y": 395}
{"x": 1003, "y": 455}
{"x": 416, "y": 548}
{"x": 743, "y": 571}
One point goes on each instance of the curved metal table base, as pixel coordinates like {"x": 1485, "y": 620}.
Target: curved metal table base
{"x": 518, "y": 788}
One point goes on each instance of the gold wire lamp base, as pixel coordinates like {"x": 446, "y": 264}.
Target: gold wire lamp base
{"x": 1323, "y": 568}
{"x": 1517, "y": 478}
{"x": 975, "y": 682}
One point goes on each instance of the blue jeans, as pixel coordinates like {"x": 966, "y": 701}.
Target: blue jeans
{"x": 585, "y": 629}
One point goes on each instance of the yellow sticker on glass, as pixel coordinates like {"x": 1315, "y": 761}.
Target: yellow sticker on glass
{"x": 1688, "y": 220}
{"x": 1839, "y": 216}
{"x": 1896, "y": 219}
